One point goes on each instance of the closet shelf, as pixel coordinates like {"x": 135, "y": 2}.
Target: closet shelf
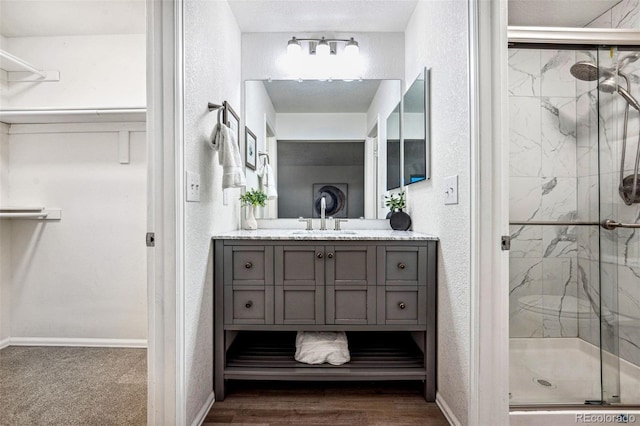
{"x": 79, "y": 115}
{"x": 37, "y": 213}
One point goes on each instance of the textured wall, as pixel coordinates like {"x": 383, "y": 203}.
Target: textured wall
{"x": 85, "y": 275}
{"x": 95, "y": 71}
{"x": 5, "y": 237}
{"x": 436, "y": 37}
{"x": 212, "y": 45}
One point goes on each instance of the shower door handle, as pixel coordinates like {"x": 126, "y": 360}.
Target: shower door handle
{"x": 611, "y": 224}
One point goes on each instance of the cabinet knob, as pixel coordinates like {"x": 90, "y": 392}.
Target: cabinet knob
{"x": 402, "y": 305}
{"x": 330, "y": 255}
{"x": 249, "y": 304}
{"x": 401, "y": 265}
{"x": 319, "y": 255}
{"x": 248, "y": 265}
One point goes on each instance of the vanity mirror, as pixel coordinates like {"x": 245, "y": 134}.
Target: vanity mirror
{"x": 416, "y": 130}
{"x": 323, "y": 138}
{"x": 393, "y": 149}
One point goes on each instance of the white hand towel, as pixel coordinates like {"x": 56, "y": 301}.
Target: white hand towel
{"x": 224, "y": 141}
{"x": 265, "y": 172}
{"x": 317, "y": 347}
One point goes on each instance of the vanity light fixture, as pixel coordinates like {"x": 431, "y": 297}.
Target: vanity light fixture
{"x": 294, "y": 47}
{"x": 323, "y": 47}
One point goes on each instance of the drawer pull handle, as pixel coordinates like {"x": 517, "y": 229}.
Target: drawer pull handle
{"x": 402, "y": 305}
{"x": 330, "y": 255}
{"x": 248, "y": 305}
{"x": 248, "y": 265}
{"x": 319, "y": 255}
{"x": 401, "y": 265}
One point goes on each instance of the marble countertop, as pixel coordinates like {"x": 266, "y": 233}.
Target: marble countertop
{"x": 345, "y": 235}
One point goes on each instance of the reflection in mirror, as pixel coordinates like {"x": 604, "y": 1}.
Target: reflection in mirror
{"x": 393, "y": 149}
{"x": 324, "y": 139}
{"x": 415, "y": 131}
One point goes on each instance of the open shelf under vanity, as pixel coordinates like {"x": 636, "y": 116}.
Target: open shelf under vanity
{"x": 257, "y": 355}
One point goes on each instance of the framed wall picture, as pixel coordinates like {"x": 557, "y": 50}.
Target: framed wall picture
{"x": 251, "y": 143}
{"x": 231, "y": 119}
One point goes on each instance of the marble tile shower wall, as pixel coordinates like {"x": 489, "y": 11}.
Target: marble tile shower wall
{"x": 546, "y": 166}
{"x": 621, "y": 248}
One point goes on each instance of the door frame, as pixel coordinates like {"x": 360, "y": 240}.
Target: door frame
{"x": 165, "y": 218}
{"x": 489, "y": 307}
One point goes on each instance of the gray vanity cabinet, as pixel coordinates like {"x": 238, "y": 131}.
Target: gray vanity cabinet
{"x": 381, "y": 292}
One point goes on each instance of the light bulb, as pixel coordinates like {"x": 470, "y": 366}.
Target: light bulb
{"x": 351, "y": 49}
{"x": 323, "y": 49}
{"x": 293, "y": 47}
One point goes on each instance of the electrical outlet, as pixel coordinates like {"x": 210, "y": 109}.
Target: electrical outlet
{"x": 451, "y": 190}
{"x": 193, "y": 187}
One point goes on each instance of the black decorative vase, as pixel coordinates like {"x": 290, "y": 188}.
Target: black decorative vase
{"x": 400, "y": 221}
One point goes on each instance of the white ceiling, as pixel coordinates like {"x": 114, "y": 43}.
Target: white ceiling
{"x": 23, "y": 18}
{"x": 557, "y": 13}
{"x": 311, "y": 96}
{"x": 322, "y": 15}
{"x": 32, "y": 18}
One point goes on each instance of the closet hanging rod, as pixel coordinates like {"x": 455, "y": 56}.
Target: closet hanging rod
{"x": 22, "y": 63}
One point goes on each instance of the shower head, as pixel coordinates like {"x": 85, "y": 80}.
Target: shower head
{"x": 588, "y": 71}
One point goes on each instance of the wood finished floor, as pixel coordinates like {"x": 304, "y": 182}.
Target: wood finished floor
{"x": 353, "y": 404}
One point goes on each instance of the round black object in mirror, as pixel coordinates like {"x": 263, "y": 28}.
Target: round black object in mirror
{"x": 400, "y": 221}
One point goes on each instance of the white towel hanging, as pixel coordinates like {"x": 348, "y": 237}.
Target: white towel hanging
{"x": 224, "y": 141}
{"x": 268, "y": 181}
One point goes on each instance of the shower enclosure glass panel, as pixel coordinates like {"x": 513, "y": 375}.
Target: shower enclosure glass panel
{"x": 619, "y": 115}
{"x": 567, "y": 110}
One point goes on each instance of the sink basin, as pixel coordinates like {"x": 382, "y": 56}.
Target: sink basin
{"x": 327, "y": 232}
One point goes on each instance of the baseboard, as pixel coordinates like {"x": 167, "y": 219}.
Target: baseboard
{"x": 79, "y": 342}
{"x": 444, "y": 407}
{"x": 204, "y": 410}
{"x": 5, "y": 342}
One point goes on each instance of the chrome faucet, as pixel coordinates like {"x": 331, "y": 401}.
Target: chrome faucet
{"x": 323, "y": 220}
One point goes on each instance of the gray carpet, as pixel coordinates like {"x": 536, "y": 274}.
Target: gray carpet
{"x": 73, "y": 386}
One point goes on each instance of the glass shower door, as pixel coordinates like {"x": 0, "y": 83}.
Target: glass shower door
{"x": 619, "y": 296}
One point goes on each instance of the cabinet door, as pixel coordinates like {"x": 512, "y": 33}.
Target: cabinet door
{"x": 299, "y": 284}
{"x": 350, "y": 284}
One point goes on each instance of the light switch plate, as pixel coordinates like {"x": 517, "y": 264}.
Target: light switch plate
{"x": 451, "y": 190}
{"x": 193, "y": 187}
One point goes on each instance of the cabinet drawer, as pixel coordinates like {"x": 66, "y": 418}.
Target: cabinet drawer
{"x": 401, "y": 305}
{"x": 402, "y": 266}
{"x": 248, "y": 265}
{"x": 249, "y": 306}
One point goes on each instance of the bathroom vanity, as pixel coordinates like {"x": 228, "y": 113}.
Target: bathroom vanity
{"x": 378, "y": 286}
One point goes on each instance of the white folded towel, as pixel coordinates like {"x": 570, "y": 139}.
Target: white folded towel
{"x": 265, "y": 172}
{"x": 317, "y": 347}
{"x": 224, "y": 141}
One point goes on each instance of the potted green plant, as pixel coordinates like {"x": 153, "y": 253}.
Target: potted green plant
{"x": 399, "y": 220}
{"x": 252, "y": 199}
